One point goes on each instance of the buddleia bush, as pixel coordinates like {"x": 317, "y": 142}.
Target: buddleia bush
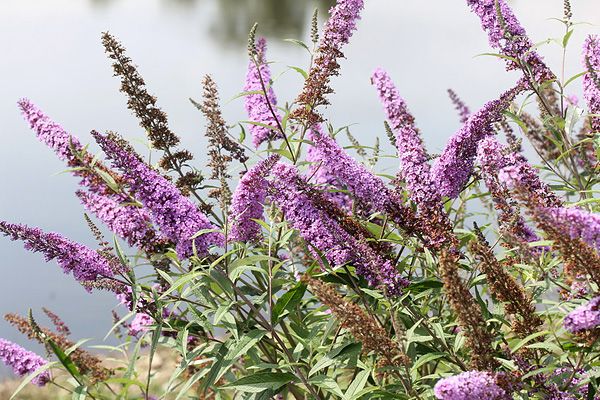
{"x": 289, "y": 268}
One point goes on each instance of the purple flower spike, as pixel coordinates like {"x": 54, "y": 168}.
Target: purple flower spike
{"x": 314, "y": 225}
{"x": 591, "y": 81}
{"x": 470, "y": 385}
{"x": 342, "y": 23}
{"x": 492, "y": 156}
{"x": 248, "y": 201}
{"x": 84, "y": 263}
{"x": 518, "y": 173}
{"x": 256, "y": 104}
{"x": 140, "y": 324}
{"x": 49, "y": 132}
{"x": 326, "y": 235}
{"x": 323, "y": 177}
{"x": 579, "y": 224}
{"x": 127, "y": 221}
{"x": 23, "y": 362}
{"x": 452, "y": 170}
{"x": 368, "y": 189}
{"x": 506, "y": 34}
{"x": 176, "y": 216}
{"x": 461, "y": 107}
{"x": 414, "y": 166}
{"x": 583, "y": 317}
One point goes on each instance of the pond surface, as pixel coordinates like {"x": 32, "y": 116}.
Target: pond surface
{"x": 51, "y": 53}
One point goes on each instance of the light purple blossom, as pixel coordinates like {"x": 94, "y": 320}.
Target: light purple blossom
{"x": 573, "y": 99}
{"x": 414, "y": 165}
{"x": 323, "y": 177}
{"x": 558, "y": 379}
{"x": 492, "y": 156}
{"x": 470, "y": 385}
{"x": 140, "y": 324}
{"x": 65, "y": 145}
{"x": 521, "y": 175}
{"x": 23, "y": 362}
{"x": 579, "y": 224}
{"x": 127, "y": 221}
{"x": 84, "y": 263}
{"x": 506, "y": 34}
{"x": 248, "y": 201}
{"x": 368, "y": 189}
{"x": 256, "y": 104}
{"x": 314, "y": 225}
{"x": 49, "y": 132}
{"x": 463, "y": 111}
{"x": 591, "y": 89}
{"x": 584, "y": 317}
{"x": 452, "y": 170}
{"x": 341, "y": 23}
{"x": 176, "y": 216}
{"x": 324, "y": 233}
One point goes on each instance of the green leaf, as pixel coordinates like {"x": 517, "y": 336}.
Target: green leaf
{"x": 287, "y": 302}
{"x": 155, "y": 336}
{"x": 109, "y": 180}
{"x": 528, "y": 339}
{"x": 244, "y": 94}
{"x": 499, "y": 56}
{"x": 327, "y": 383}
{"x": 299, "y": 43}
{"x": 336, "y": 354}
{"x": 427, "y": 358}
{"x": 300, "y": 71}
{"x": 215, "y": 369}
{"x": 566, "y": 38}
{"x": 571, "y": 79}
{"x": 79, "y": 393}
{"x": 262, "y": 381}
{"x": 357, "y": 385}
{"x": 244, "y": 344}
{"x": 420, "y": 286}
{"x": 373, "y": 293}
{"x": 64, "y": 359}
{"x": 221, "y": 311}
{"x": 548, "y": 346}
{"x": 242, "y": 136}
{"x": 225, "y": 359}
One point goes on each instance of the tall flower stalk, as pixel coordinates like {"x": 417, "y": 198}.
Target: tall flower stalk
{"x": 326, "y": 235}
{"x": 261, "y": 106}
{"x": 366, "y": 188}
{"x": 23, "y": 362}
{"x": 84, "y": 263}
{"x": 453, "y": 169}
{"x": 415, "y": 170}
{"x": 248, "y": 202}
{"x": 176, "y": 216}
{"x": 506, "y": 34}
{"x": 337, "y": 32}
{"x": 111, "y": 206}
{"x": 591, "y": 79}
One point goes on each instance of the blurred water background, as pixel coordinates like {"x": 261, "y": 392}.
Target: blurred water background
{"x": 51, "y": 53}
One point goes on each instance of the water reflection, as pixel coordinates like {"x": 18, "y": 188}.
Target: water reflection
{"x": 101, "y": 3}
{"x": 282, "y": 18}
{"x": 233, "y": 18}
